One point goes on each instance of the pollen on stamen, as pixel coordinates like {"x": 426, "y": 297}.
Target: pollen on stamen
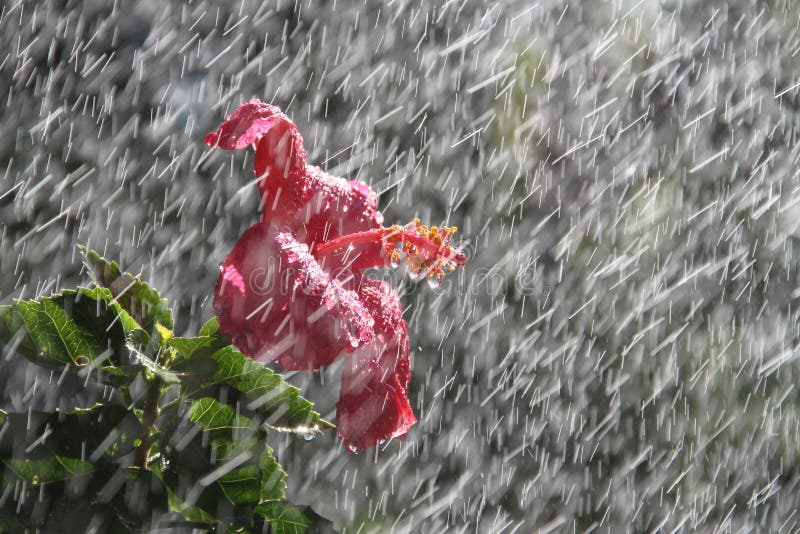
{"x": 426, "y": 250}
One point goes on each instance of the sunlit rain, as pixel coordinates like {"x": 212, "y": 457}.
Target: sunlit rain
{"x": 617, "y": 350}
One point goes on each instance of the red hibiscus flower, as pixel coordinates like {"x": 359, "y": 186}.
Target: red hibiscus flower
{"x": 292, "y": 289}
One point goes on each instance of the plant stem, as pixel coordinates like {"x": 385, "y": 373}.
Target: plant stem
{"x": 125, "y": 393}
{"x": 150, "y": 413}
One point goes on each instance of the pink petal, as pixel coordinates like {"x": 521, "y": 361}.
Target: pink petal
{"x": 316, "y": 205}
{"x": 334, "y": 207}
{"x": 373, "y": 403}
{"x": 280, "y": 160}
{"x": 280, "y": 164}
{"x": 276, "y": 303}
{"x": 245, "y": 125}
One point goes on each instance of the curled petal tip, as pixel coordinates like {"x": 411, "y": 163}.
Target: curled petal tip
{"x": 211, "y": 140}
{"x": 245, "y": 126}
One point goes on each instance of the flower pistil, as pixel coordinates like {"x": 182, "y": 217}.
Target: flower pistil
{"x": 426, "y": 251}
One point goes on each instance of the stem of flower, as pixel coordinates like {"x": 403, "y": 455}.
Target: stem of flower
{"x": 150, "y": 413}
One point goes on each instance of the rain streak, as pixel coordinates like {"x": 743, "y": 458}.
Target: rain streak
{"x": 620, "y": 352}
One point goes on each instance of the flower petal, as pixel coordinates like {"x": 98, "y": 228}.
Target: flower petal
{"x": 276, "y": 303}
{"x": 373, "y": 403}
{"x": 280, "y": 160}
{"x": 316, "y": 205}
{"x": 280, "y": 164}
{"x": 245, "y": 125}
{"x": 334, "y": 207}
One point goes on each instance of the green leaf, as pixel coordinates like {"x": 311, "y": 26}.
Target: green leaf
{"x": 210, "y": 328}
{"x": 273, "y": 477}
{"x": 192, "y": 513}
{"x": 57, "y": 335}
{"x": 243, "y": 467}
{"x": 75, "y": 327}
{"x": 92, "y": 445}
{"x": 176, "y": 504}
{"x": 117, "y": 499}
{"x": 240, "y": 485}
{"x": 254, "y": 483}
{"x": 209, "y": 340}
{"x": 48, "y": 470}
{"x": 210, "y": 414}
{"x": 13, "y": 333}
{"x": 140, "y": 300}
{"x": 266, "y": 393}
{"x": 140, "y": 347}
{"x": 280, "y": 404}
{"x": 187, "y": 346}
{"x": 283, "y": 517}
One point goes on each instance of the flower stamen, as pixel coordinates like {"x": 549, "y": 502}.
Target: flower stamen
{"x": 426, "y": 251}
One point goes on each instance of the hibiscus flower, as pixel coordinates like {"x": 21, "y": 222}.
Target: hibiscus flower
{"x": 293, "y": 290}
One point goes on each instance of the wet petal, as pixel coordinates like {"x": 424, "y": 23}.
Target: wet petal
{"x": 280, "y": 160}
{"x": 276, "y": 303}
{"x": 383, "y": 304}
{"x": 280, "y": 164}
{"x": 245, "y": 125}
{"x": 316, "y": 205}
{"x": 334, "y": 207}
{"x": 373, "y": 403}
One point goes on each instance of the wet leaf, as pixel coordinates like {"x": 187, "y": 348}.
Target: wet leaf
{"x": 283, "y": 517}
{"x": 264, "y": 392}
{"x": 241, "y": 484}
{"x": 280, "y": 404}
{"x": 210, "y": 328}
{"x": 141, "y": 348}
{"x": 13, "y": 335}
{"x": 83, "y": 328}
{"x": 263, "y": 478}
{"x": 210, "y": 414}
{"x": 59, "y": 338}
{"x": 48, "y": 470}
{"x": 273, "y": 477}
{"x": 195, "y": 517}
{"x": 255, "y": 483}
{"x": 225, "y": 457}
{"x": 187, "y": 346}
{"x": 134, "y": 295}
